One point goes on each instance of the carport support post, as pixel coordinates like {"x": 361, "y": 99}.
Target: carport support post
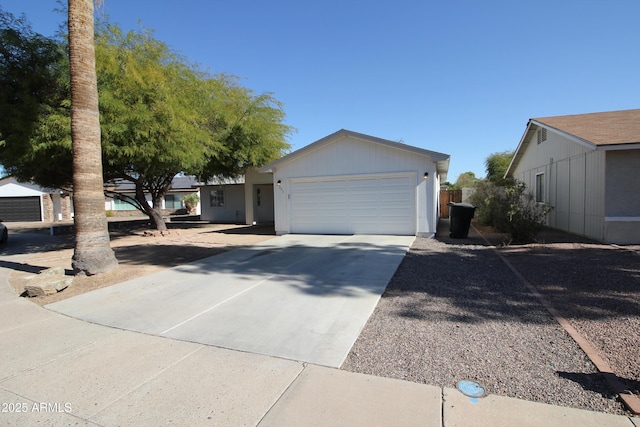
{"x": 248, "y": 203}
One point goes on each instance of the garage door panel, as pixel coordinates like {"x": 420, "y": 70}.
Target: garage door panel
{"x": 380, "y": 205}
{"x": 20, "y": 209}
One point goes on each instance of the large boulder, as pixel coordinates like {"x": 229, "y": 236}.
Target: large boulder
{"x": 48, "y": 282}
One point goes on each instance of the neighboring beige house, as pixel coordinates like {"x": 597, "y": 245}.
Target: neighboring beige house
{"x": 586, "y": 167}
{"x": 351, "y": 183}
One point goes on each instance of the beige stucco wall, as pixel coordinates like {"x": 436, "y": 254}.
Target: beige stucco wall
{"x": 622, "y": 195}
{"x": 574, "y": 182}
{"x": 234, "y": 207}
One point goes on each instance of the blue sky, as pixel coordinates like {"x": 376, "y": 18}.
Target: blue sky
{"x": 458, "y": 77}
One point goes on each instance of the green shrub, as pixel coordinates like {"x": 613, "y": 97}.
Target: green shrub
{"x": 510, "y": 209}
{"x": 190, "y": 202}
{"x": 487, "y": 198}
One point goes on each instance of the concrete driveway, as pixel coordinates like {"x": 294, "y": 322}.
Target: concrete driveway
{"x": 298, "y": 297}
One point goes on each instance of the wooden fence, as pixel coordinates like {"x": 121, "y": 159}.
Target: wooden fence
{"x": 448, "y": 196}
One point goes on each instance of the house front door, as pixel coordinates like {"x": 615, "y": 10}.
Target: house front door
{"x": 263, "y": 203}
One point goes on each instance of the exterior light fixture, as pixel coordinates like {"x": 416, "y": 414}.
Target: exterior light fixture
{"x": 426, "y": 175}
{"x": 279, "y": 183}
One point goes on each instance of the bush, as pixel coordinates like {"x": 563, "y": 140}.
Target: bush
{"x": 190, "y": 202}
{"x": 487, "y": 199}
{"x": 510, "y": 209}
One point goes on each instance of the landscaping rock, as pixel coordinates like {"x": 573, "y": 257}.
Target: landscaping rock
{"x": 48, "y": 282}
{"x": 53, "y": 271}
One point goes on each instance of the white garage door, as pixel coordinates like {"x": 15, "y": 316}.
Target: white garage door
{"x": 353, "y": 205}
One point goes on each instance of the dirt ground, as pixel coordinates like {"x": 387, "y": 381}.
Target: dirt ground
{"x": 141, "y": 252}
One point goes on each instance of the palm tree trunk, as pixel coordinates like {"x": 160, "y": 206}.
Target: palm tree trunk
{"x": 92, "y": 253}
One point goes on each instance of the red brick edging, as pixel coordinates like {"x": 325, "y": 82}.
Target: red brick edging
{"x": 629, "y": 399}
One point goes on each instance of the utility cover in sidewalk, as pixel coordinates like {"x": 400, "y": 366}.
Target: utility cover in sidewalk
{"x": 470, "y": 388}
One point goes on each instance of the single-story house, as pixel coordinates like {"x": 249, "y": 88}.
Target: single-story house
{"x": 586, "y": 168}
{"x": 26, "y": 202}
{"x": 351, "y": 183}
{"x": 171, "y": 203}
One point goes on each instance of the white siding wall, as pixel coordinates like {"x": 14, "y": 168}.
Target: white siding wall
{"x": 351, "y": 156}
{"x": 574, "y": 181}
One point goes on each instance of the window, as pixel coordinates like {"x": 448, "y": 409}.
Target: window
{"x": 121, "y": 205}
{"x": 540, "y": 188}
{"x": 217, "y": 199}
{"x": 542, "y": 135}
{"x": 172, "y": 201}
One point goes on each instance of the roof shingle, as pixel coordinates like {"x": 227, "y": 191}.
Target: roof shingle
{"x": 608, "y": 128}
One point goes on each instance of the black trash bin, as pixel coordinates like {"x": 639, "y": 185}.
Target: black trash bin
{"x": 460, "y": 215}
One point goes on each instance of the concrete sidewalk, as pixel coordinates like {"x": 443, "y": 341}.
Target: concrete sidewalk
{"x": 57, "y": 371}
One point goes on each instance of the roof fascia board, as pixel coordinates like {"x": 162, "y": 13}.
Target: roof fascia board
{"x": 435, "y": 156}
{"x": 528, "y": 132}
{"x": 618, "y": 147}
{"x": 532, "y": 126}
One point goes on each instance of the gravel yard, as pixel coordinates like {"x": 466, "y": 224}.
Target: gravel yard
{"x": 455, "y": 311}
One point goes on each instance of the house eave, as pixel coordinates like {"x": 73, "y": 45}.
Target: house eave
{"x": 619, "y": 147}
{"x": 533, "y": 125}
{"x": 522, "y": 145}
{"x": 585, "y": 143}
{"x": 441, "y": 159}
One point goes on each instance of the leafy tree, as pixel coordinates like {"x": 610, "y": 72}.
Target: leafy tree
{"x": 160, "y": 116}
{"x": 496, "y": 166}
{"x": 34, "y": 87}
{"x": 152, "y": 123}
{"x": 250, "y": 128}
{"x": 92, "y": 253}
{"x": 465, "y": 180}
